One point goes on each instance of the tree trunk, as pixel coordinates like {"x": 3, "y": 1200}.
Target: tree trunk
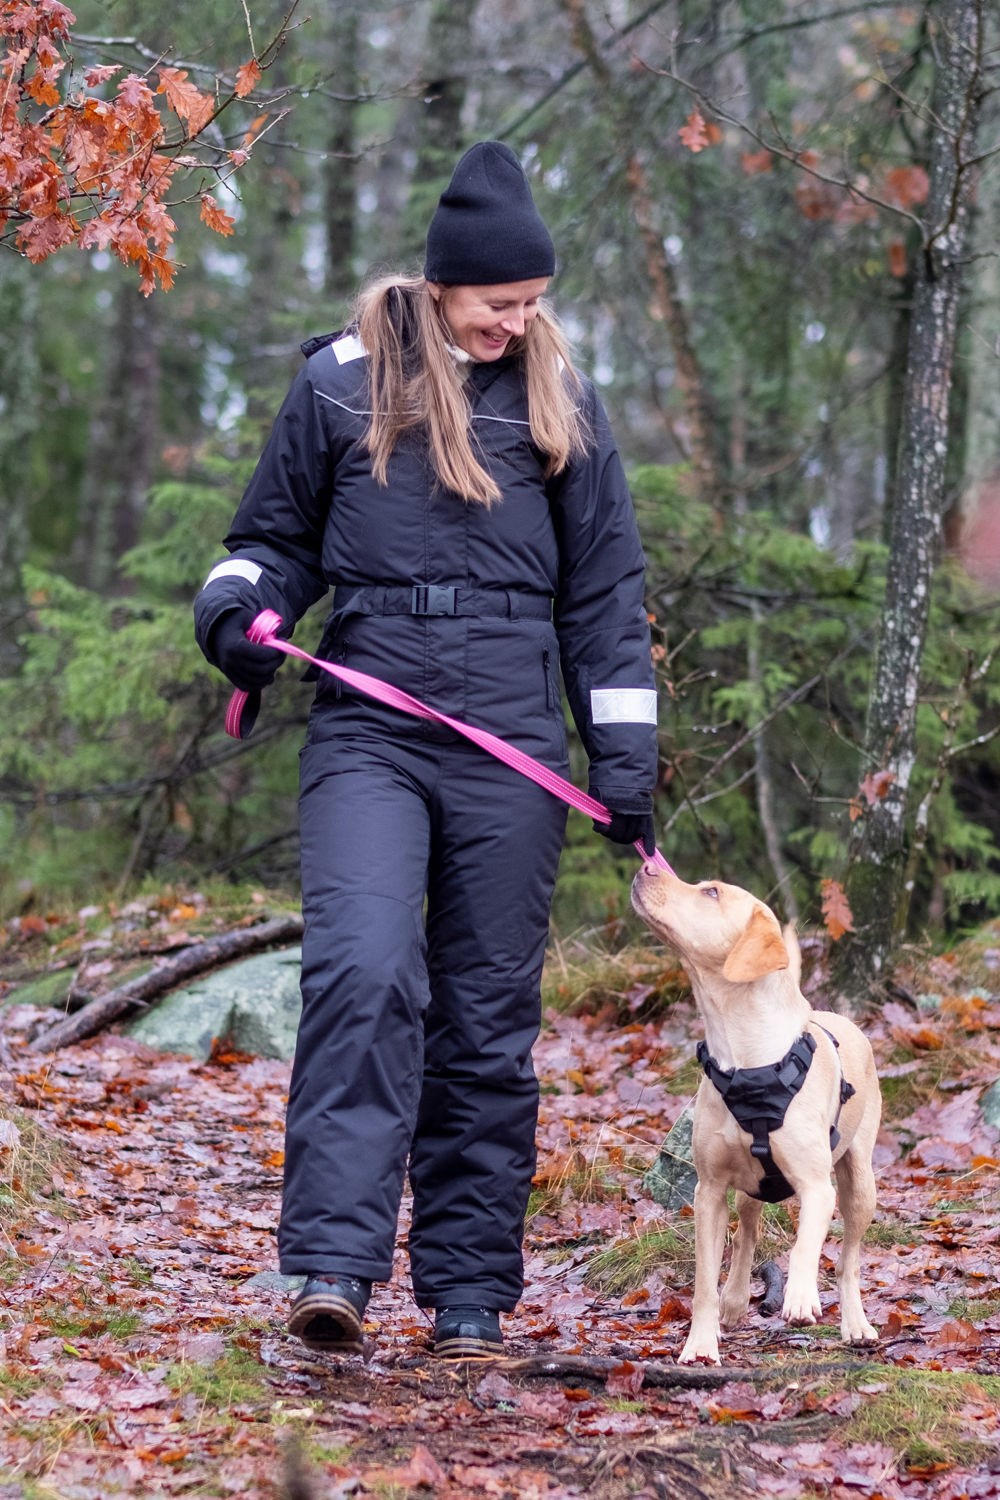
{"x": 19, "y": 385}
{"x": 702, "y": 452}
{"x": 875, "y": 877}
{"x": 121, "y": 451}
{"x": 438, "y": 120}
{"x": 340, "y": 168}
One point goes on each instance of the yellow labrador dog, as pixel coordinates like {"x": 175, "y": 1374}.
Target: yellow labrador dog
{"x": 789, "y": 1094}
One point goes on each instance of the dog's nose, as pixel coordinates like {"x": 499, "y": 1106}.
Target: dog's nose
{"x": 649, "y": 868}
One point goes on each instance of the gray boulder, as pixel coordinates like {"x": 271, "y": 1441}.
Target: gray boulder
{"x": 253, "y": 1005}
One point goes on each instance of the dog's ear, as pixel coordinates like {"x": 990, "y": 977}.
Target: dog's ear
{"x": 758, "y": 950}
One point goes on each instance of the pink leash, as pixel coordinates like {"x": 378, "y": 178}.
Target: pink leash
{"x": 263, "y": 633}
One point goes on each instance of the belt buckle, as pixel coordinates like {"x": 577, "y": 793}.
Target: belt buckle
{"x": 432, "y": 599}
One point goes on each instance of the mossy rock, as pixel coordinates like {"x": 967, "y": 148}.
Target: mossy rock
{"x": 44, "y": 990}
{"x": 252, "y": 1005}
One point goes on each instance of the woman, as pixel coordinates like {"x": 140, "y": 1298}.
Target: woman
{"x": 444, "y": 468}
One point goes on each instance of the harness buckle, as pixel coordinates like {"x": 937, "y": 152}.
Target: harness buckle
{"x": 432, "y": 599}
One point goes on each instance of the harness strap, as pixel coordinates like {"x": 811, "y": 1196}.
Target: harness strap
{"x": 847, "y": 1090}
{"x": 758, "y": 1100}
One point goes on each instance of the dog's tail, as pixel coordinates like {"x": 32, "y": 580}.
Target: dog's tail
{"x": 791, "y": 938}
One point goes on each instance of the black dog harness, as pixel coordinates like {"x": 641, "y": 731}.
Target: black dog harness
{"x": 758, "y": 1100}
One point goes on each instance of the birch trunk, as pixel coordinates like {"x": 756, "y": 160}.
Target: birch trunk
{"x": 875, "y": 879}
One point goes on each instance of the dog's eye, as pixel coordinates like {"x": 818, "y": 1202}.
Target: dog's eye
{"x": 710, "y": 890}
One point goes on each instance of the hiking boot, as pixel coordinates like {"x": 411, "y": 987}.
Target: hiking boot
{"x": 467, "y": 1333}
{"x": 327, "y": 1313}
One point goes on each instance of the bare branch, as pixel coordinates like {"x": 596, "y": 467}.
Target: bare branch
{"x": 787, "y": 153}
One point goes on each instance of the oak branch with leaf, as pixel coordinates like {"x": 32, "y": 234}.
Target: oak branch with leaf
{"x": 85, "y": 164}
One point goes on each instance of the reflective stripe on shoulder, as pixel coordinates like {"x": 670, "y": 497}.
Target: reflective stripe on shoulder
{"x": 348, "y": 348}
{"x": 236, "y": 567}
{"x": 623, "y": 705}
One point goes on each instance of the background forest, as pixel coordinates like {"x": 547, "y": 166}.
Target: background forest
{"x": 742, "y": 198}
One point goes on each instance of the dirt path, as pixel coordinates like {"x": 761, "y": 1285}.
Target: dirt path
{"x": 140, "y": 1358}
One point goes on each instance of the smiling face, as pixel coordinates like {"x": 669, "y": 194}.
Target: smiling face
{"x": 482, "y": 320}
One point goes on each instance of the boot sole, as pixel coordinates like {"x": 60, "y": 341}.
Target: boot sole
{"x": 327, "y": 1305}
{"x": 466, "y": 1348}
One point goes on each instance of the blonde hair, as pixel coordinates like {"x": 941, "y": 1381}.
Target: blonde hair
{"x": 416, "y": 382}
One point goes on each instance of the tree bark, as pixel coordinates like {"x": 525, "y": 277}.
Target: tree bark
{"x": 122, "y": 446}
{"x": 19, "y": 385}
{"x": 702, "y": 452}
{"x": 166, "y": 976}
{"x": 437, "y": 122}
{"x": 877, "y": 856}
{"x": 340, "y": 168}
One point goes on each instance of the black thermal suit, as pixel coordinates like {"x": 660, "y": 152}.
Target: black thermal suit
{"x": 427, "y": 865}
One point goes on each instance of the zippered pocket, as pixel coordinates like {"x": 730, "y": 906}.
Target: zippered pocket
{"x": 339, "y": 660}
{"x": 551, "y": 688}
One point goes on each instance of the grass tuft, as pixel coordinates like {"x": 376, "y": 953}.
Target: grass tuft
{"x": 628, "y": 984}
{"x": 235, "y": 1381}
{"x": 624, "y": 1267}
{"x": 928, "y": 1416}
{"x": 29, "y": 1156}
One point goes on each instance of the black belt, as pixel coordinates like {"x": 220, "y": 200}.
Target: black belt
{"x": 440, "y": 599}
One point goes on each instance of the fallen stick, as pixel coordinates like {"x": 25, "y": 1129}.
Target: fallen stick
{"x": 656, "y": 1373}
{"x": 138, "y": 992}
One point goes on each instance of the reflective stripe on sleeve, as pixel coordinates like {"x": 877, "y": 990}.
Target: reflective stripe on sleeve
{"x": 236, "y": 567}
{"x": 623, "y": 705}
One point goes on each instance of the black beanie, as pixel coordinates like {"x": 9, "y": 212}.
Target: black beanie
{"x": 486, "y": 229}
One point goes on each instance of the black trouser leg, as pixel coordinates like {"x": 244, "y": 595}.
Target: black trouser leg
{"x": 358, "y": 1061}
{"x": 495, "y": 849}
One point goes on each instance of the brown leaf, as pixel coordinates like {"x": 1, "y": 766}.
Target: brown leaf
{"x": 186, "y": 101}
{"x": 837, "y": 915}
{"x": 422, "y": 1470}
{"x": 876, "y": 785}
{"x": 625, "y": 1379}
{"x": 906, "y": 186}
{"x": 247, "y": 78}
{"x": 697, "y": 132}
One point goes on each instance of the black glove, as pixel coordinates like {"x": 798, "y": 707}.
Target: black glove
{"x": 247, "y": 666}
{"x": 628, "y": 828}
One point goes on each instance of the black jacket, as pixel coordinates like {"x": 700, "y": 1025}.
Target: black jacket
{"x": 313, "y": 516}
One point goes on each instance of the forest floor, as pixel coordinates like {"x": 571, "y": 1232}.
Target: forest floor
{"x": 139, "y": 1194}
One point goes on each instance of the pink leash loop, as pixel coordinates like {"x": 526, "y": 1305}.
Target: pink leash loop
{"x": 263, "y": 633}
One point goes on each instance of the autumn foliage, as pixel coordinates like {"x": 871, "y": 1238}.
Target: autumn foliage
{"x": 82, "y": 164}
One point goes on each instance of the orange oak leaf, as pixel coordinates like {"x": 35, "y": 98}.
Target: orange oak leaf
{"x": 255, "y": 128}
{"x": 215, "y": 217}
{"x": 907, "y": 186}
{"x": 897, "y": 258}
{"x": 100, "y": 73}
{"x": 837, "y": 915}
{"x": 186, "y": 101}
{"x": 755, "y": 162}
{"x": 696, "y": 133}
{"x": 247, "y": 78}
{"x": 875, "y": 787}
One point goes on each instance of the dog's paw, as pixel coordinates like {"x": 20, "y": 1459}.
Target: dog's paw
{"x": 858, "y": 1330}
{"x": 701, "y": 1348}
{"x": 732, "y": 1310}
{"x": 801, "y": 1305}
